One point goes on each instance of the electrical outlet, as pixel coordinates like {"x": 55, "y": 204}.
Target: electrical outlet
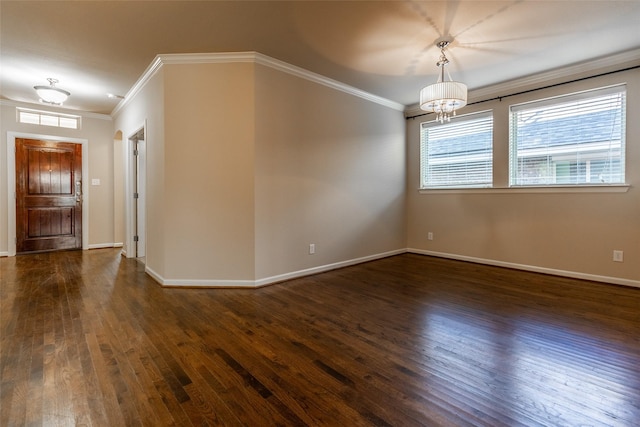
{"x": 430, "y": 236}
{"x": 618, "y": 256}
{"x": 312, "y": 248}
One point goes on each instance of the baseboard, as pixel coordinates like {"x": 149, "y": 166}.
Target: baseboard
{"x": 199, "y": 283}
{"x": 218, "y": 284}
{"x": 104, "y": 245}
{"x": 532, "y": 268}
{"x": 89, "y": 247}
{"x": 324, "y": 268}
{"x": 214, "y": 283}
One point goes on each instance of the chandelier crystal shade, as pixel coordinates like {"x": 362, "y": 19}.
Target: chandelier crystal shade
{"x": 52, "y": 94}
{"x": 445, "y": 96}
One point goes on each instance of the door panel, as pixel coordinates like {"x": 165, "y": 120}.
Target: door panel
{"x": 48, "y": 195}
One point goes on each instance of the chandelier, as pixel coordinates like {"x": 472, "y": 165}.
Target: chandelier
{"x": 51, "y": 94}
{"x": 443, "y": 97}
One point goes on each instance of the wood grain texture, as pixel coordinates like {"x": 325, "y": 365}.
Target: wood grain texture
{"x": 48, "y": 210}
{"x": 89, "y": 339}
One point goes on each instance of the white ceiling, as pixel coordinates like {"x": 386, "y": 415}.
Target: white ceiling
{"x": 382, "y": 47}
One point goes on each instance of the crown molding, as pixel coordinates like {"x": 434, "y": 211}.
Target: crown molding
{"x": 326, "y": 81}
{"x": 41, "y": 107}
{"x": 250, "y": 57}
{"x": 151, "y": 70}
{"x": 207, "y": 58}
{"x": 611, "y": 63}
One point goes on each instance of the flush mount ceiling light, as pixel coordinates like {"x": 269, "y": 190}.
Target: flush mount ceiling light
{"x": 443, "y": 97}
{"x": 51, "y": 94}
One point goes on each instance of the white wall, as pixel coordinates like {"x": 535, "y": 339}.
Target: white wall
{"x": 571, "y": 233}
{"x": 98, "y": 131}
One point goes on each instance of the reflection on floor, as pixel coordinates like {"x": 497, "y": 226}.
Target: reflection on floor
{"x": 89, "y": 339}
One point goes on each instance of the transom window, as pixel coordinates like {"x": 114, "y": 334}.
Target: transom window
{"x": 576, "y": 139}
{"x": 46, "y": 118}
{"x": 457, "y": 154}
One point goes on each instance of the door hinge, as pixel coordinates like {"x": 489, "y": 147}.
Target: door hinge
{"x": 135, "y": 238}
{"x": 136, "y": 195}
{"x": 135, "y": 152}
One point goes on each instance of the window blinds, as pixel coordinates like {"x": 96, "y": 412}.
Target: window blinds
{"x": 569, "y": 140}
{"x": 459, "y": 153}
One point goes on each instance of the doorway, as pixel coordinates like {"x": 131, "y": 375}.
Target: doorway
{"x": 48, "y": 195}
{"x": 12, "y": 190}
{"x": 137, "y": 235}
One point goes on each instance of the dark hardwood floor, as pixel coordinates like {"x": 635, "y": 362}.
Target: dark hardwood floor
{"x": 89, "y": 339}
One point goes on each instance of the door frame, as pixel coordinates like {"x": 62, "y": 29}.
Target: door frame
{"x": 136, "y": 172}
{"x": 11, "y": 184}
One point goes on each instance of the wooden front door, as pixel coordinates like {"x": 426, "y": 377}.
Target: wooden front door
{"x": 48, "y": 195}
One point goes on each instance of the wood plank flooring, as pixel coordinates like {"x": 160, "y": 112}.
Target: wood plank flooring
{"x": 89, "y": 339}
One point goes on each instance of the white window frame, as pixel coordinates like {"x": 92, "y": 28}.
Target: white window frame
{"x": 425, "y": 157}
{"x": 581, "y": 156}
{"x": 47, "y": 118}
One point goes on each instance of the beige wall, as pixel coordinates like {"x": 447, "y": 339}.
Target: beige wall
{"x": 98, "y": 130}
{"x": 209, "y": 207}
{"x": 199, "y": 163}
{"x": 330, "y": 170}
{"x": 248, "y": 178}
{"x": 146, "y": 110}
{"x": 119, "y": 188}
{"x": 569, "y": 232}
{"x": 248, "y": 165}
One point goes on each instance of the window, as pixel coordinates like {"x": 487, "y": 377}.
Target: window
{"x": 457, "y": 154}
{"x": 575, "y": 139}
{"x": 46, "y": 118}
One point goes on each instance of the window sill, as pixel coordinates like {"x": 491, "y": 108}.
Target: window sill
{"x": 612, "y": 188}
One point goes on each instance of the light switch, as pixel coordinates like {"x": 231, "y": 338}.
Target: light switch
{"x": 95, "y": 181}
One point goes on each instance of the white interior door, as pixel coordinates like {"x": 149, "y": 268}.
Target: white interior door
{"x": 136, "y": 235}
